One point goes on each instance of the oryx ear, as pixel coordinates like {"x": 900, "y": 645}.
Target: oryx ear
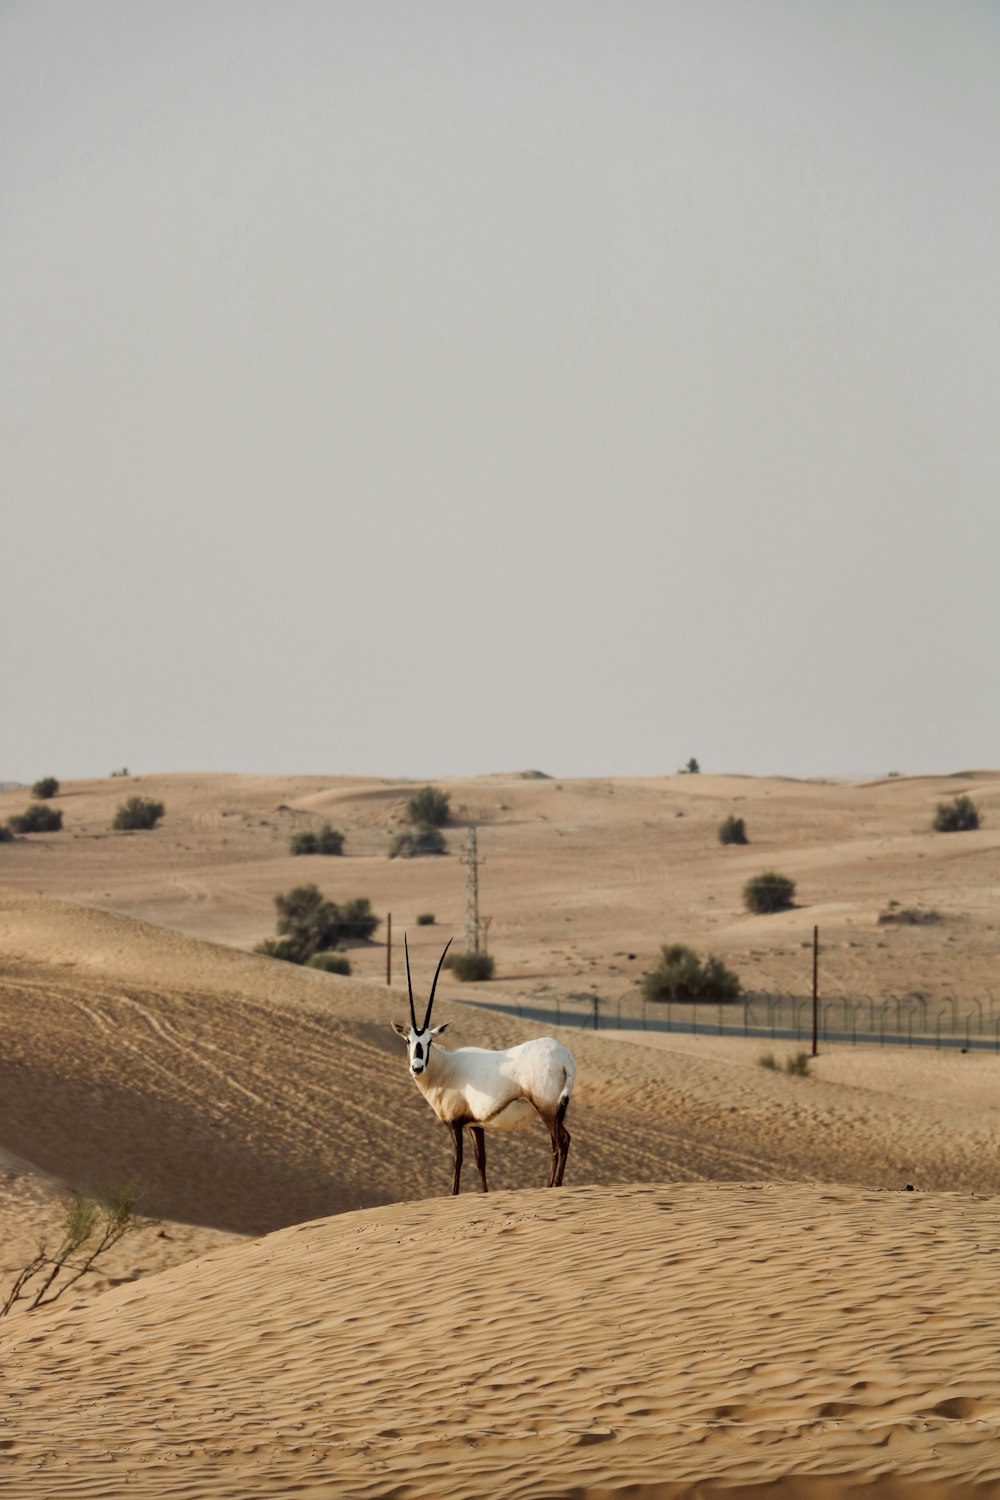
{"x": 437, "y": 1030}
{"x": 400, "y": 1030}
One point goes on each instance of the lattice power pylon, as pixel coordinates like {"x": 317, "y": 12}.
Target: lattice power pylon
{"x": 471, "y": 862}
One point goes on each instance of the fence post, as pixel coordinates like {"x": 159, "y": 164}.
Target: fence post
{"x": 388, "y": 949}
{"x": 815, "y": 1050}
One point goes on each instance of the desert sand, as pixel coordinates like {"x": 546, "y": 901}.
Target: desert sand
{"x": 753, "y": 1283}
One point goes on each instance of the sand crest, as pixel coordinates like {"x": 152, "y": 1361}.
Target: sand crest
{"x": 654, "y": 1341}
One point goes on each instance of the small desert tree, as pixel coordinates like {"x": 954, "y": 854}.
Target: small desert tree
{"x": 38, "y": 819}
{"x": 429, "y": 808}
{"x": 768, "y": 892}
{"x": 309, "y": 924}
{"x": 410, "y": 843}
{"x": 139, "y": 812}
{"x": 733, "y": 831}
{"x": 92, "y": 1225}
{"x": 681, "y": 975}
{"x": 47, "y": 787}
{"x": 326, "y": 841}
{"x": 957, "y": 816}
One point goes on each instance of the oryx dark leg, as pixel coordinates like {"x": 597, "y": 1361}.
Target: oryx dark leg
{"x": 560, "y": 1145}
{"x": 479, "y": 1151}
{"x": 456, "y": 1135}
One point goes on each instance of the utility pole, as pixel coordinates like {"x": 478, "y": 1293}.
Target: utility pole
{"x": 815, "y": 1051}
{"x": 471, "y": 862}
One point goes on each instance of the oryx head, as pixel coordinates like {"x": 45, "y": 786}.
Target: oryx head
{"x": 418, "y": 1038}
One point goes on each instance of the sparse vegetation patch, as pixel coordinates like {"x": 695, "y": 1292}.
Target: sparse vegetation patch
{"x": 308, "y": 924}
{"x": 426, "y": 919}
{"x": 330, "y": 963}
{"x": 326, "y": 841}
{"x": 38, "y": 819}
{"x": 411, "y": 843}
{"x": 908, "y": 916}
{"x": 957, "y": 816}
{"x": 768, "y": 892}
{"x": 139, "y": 812}
{"x": 733, "y": 830}
{"x": 429, "y": 808}
{"x": 92, "y": 1225}
{"x": 470, "y": 968}
{"x": 681, "y": 975}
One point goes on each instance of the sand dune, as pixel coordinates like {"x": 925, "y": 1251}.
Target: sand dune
{"x": 736, "y": 1294}
{"x": 577, "y": 874}
{"x": 651, "y": 1341}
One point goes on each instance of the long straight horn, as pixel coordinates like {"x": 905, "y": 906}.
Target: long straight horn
{"x": 427, "y": 1018}
{"x": 409, "y": 985}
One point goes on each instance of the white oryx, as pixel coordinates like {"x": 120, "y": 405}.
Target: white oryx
{"x": 489, "y": 1090}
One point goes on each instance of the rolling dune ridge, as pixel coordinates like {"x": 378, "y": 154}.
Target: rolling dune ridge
{"x": 734, "y": 1295}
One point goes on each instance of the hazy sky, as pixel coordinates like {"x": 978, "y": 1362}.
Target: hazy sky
{"x": 445, "y": 386}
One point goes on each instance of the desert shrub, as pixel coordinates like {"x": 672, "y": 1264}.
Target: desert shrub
{"x": 330, "y": 963}
{"x": 357, "y": 920}
{"x": 425, "y": 919}
{"x": 139, "y": 812}
{"x": 122, "y": 772}
{"x": 769, "y": 1061}
{"x": 308, "y": 924}
{"x": 37, "y": 819}
{"x": 414, "y": 842}
{"x": 681, "y": 975}
{"x": 768, "y": 892}
{"x": 429, "y": 808}
{"x": 92, "y": 1225}
{"x": 326, "y": 841}
{"x": 47, "y": 787}
{"x": 956, "y": 816}
{"x": 732, "y": 831}
{"x": 909, "y": 916}
{"x": 284, "y": 948}
{"x": 5, "y": 834}
{"x": 692, "y": 768}
{"x": 470, "y": 967}
{"x": 798, "y": 1065}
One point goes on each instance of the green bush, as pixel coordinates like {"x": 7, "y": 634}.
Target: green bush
{"x": 139, "y": 812}
{"x": 309, "y": 924}
{"x": 429, "y": 808}
{"x": 47, "y": 787}
{"x": 357, "y": 920}
{"x": 680, "y": 975}
{"x": 330, "y": 963}
{"x": 283, "y": 948}
{"x": 768, "y": 892}
{"x": 470, "y": 967}
{"x": 37, "y": 819}
{"x": 957, "y": 816}
{"x": 733, "y": 831}
{"x": 5, "y": 834}
{"x": 425, "y": 919}
{"x": 412, "y": 843}
{"x": 326, "y": 841}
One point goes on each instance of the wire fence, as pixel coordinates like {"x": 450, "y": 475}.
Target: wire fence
{"x": 911, "y": 1020}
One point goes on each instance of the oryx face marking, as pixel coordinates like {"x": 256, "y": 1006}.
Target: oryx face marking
{"x": 418, "y": 1038}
